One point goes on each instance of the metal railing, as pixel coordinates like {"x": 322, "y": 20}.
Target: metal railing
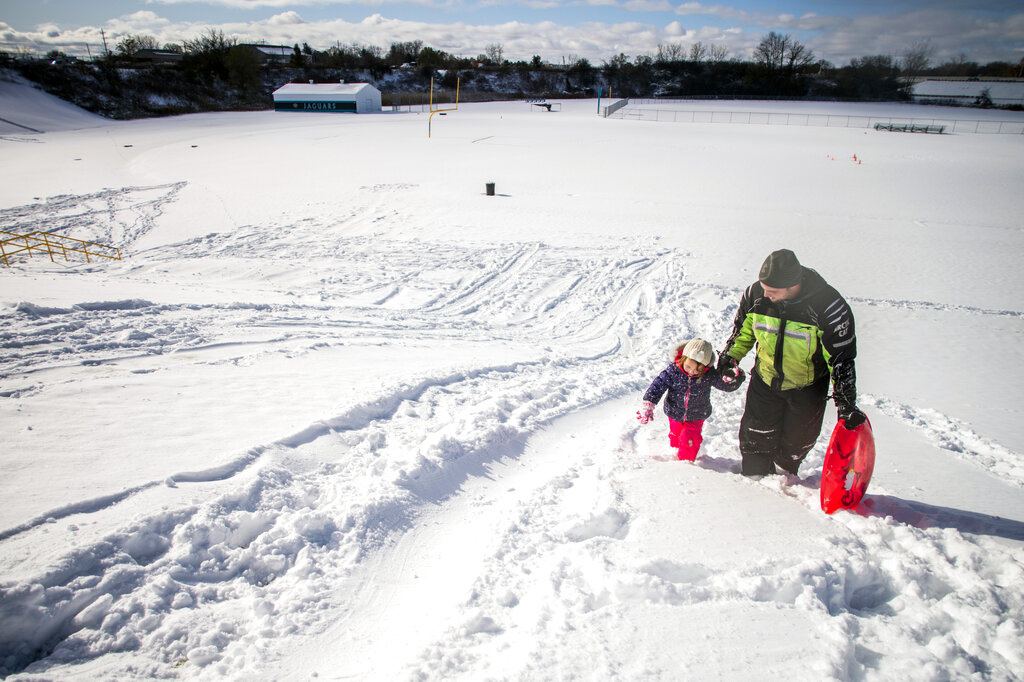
{"x": 51, "y": 244}
{"x": 613, "y": 107}
{"x": 636, "y": 111}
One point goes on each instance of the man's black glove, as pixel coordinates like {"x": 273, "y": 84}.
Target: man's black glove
{"x": 725, "y": 362}
{"x": 844, "y": 390}
{"x": 729, "y": 369}
{"x": 851, "y": 416}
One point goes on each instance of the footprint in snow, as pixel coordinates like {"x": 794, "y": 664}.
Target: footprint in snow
{"x": 611, "y": 524}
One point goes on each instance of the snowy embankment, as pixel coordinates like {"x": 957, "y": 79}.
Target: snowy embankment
{"x": 339, "y": 414}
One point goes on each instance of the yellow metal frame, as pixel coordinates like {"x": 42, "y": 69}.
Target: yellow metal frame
{"x": 433, "y": 111}
{"x": 52, "y": 244}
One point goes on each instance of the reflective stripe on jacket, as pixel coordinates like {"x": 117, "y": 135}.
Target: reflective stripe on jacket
{"x": 797, "y": 341}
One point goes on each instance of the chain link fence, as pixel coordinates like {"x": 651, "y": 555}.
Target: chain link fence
{"x": 674, "y": 111}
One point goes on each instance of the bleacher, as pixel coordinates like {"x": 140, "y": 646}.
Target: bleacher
{"x": 543, "y": 104}
{"x": 910, "y": 128}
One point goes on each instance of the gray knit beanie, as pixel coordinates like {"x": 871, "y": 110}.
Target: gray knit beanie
{"x": 781, "y": 270}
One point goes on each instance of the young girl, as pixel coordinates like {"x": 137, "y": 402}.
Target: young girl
{"x": 688, "y": 381}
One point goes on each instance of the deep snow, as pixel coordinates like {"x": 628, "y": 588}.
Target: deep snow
{"x": 338, "y": 414}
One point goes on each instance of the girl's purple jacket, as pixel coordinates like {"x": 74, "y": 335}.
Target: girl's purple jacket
{"x": 688, "y": 399}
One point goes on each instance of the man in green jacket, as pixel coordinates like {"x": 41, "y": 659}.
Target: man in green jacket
{"x": 804, "y": 333}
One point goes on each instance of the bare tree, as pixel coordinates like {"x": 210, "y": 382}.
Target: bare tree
{"x": 243, "y": 69}
{"x": 400, "y": 53}
{"x": 771, "y": 51}
{"x": 718, "y": 53}
{"x": 799, "y": 56}
{"x": 917, "y": 58}
{"x": 777, "y": 51}
{"x": 495, "y": 53}
{"x": 132, "y": 43}
{"x": 673, "y": 52}
{"x": 698, "y": 52}
{"x": 959, "y": 65}
{"x": 210, "y": 42}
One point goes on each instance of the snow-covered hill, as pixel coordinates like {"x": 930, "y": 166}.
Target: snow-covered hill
{"x": 339, "y": 414}
{"x": 24, "y": 109}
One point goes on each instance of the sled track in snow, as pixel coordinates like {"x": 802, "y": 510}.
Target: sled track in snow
{"x": 269, "y": 509}
{"x": 955, "y": 437}
{"x": 523, "y": 293}
{"x": 937, "y": 307}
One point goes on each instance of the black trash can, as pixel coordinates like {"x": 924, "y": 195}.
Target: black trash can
{"x": 490, "y": 189}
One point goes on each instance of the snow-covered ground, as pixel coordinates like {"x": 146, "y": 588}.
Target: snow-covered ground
{"x": 339, "y": 414}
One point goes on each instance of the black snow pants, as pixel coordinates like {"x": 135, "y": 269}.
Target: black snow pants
{"x": 780, "y": 427}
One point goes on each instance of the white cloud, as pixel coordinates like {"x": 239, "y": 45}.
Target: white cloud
{"x": 144, "y": 17}
{"x": 138, "y": 22}
{"x": 285, "y": 4}
{"x": 251, "y": 4}
{"x": 722, "y": 11}
{"x": 950, "y": 34}
{"x": 236, "y": 4}
{"x": 290, "y": 17}
{"x": 533, "y": 4}
{"x": 595, "y": 41}
{"x": 647, "y": 6}
{"x": 836, "y": 38}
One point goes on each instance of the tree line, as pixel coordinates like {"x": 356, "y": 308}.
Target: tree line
{"x": 779, "y": 67}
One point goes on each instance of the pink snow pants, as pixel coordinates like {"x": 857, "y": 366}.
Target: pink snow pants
{"x": 686, "y": 436}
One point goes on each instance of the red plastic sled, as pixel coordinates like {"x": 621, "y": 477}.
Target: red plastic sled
{"x": 849, "y": 461}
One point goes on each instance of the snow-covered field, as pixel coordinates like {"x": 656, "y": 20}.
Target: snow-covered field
{"x": 339, "y": 414}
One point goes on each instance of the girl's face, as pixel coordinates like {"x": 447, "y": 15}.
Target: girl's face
{"x": 693, "y": 368}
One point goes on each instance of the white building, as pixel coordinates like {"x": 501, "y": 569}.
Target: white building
{"x": 1001, "y": 91}
{"x": 359, "y": 98}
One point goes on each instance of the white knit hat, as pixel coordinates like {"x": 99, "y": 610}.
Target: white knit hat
{"x": 699, "y": 350}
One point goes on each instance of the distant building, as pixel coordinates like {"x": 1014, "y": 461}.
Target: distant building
{"x": 280, "y": 54}
{"x": 1001, "y": 91}
{"x": 161, "y": 56}
{"x": 359, "y": 98}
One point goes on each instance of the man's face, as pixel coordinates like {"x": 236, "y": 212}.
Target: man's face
{"x": 776, "y": 295}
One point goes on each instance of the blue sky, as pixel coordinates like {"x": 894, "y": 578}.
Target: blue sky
{"x": 981, "y": 30}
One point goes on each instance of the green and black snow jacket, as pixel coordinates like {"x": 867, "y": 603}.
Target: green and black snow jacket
{"x": 798, "y": 342}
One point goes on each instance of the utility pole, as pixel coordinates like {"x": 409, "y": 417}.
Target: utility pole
{"x": 106, "y": 52}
